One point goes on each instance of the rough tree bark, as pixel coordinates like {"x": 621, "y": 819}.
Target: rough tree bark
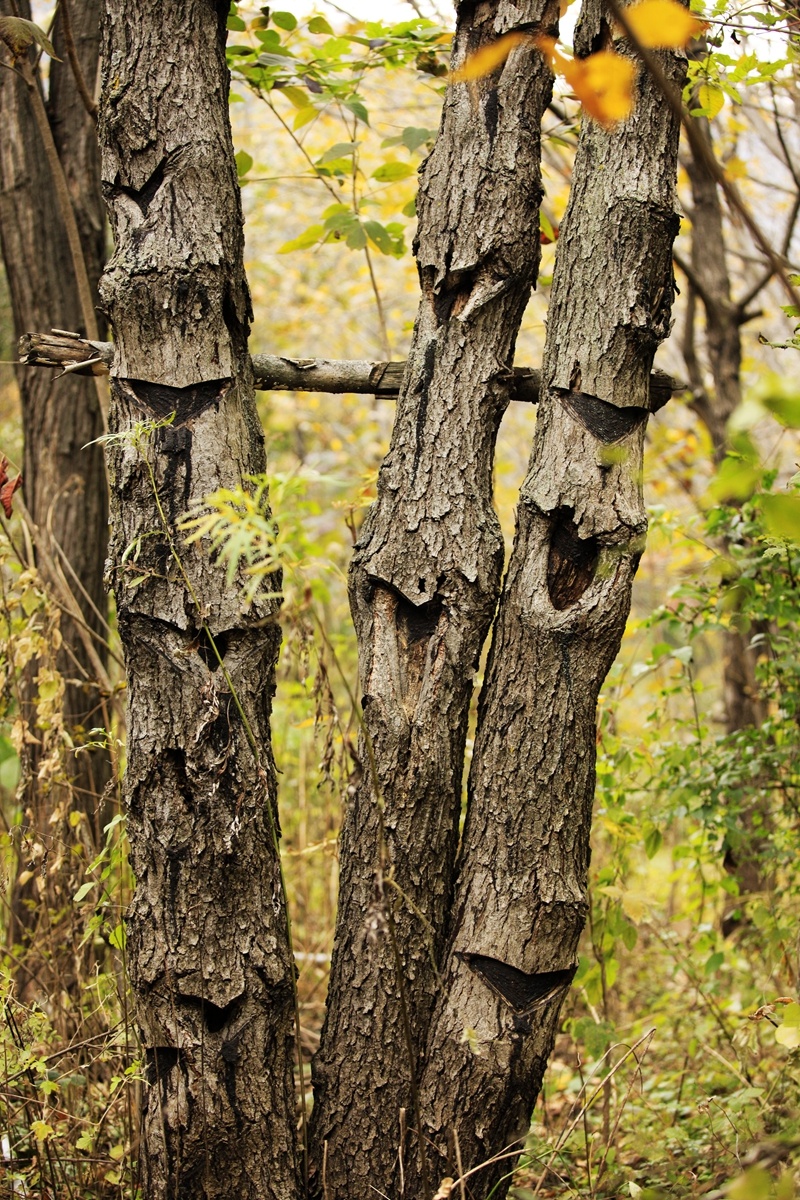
{"x": 423, "y": 588}
{"x": 520, "y": 900}
{"x": 208, "y": 948}
{"x": 65, "y": 486}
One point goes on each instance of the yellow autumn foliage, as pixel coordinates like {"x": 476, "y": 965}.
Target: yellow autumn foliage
{"x": 663, "y": 24}
{"x": 603, "y": 82}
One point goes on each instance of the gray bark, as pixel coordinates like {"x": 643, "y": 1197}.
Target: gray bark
{"x": 64, "y": 476}
{"x": 423, "y": 588}
{"x": 520, "y": 900}
{"x": 208, "y": 948}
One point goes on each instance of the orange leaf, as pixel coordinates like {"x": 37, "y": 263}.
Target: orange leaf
{"x": 603, "y": 82}
{"x": 485, "y": 60}
{"x": 663, "y": 23}
{"x": 6, "y": 493}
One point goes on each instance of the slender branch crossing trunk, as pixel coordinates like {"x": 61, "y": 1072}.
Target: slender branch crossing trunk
{"x": 520, "y": 900}
{"x": 423, "y": 588}
{"x": 208, "y": 948}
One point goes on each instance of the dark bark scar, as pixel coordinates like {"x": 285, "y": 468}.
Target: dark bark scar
{"x": 519, "y": 990}
{"x": 572, "y": 561}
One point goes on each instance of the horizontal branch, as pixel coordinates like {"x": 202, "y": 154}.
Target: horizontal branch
{"x": 70, "y": 352}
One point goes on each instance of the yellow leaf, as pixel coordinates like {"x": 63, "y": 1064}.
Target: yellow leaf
{"x": 634, "y": 905}
{"x": 735, "y": 168}
{"x": 663, "y": 23}
{"x": 485, "y": 60}
{"x": 603, "y": 82}
{"x": 711, "y": 98}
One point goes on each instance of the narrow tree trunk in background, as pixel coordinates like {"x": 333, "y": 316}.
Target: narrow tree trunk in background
{"x": 65, "y": 485}
{"x": 423, "y": 588}
{"x": 208, "y": 948}
{"x": 723, "y": 322}
{"x": 520, "y": 901}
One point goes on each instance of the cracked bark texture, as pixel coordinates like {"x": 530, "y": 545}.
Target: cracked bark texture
{"x": 520, "y": 900}
{"x": 208, "y": 951}
{"x": 64, "y": 476}
{"x": 423, "y": 589}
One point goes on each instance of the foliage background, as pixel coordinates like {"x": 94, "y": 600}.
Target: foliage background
{"x": 677, "y": 1071}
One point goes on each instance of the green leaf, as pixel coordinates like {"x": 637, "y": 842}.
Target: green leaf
{"x": 358, "y": 109}
{"x": 284, "y": 20}
{"x": 41, "y": 1130}
{"x": 388, "y": 172}
{"x": 117, "y": 937}
{"x": 714, "y": 962}
{"x": 340, "y": 150}
{"x": 236, "y": 23}
{"x": 319, "y": 25}
{"x": 311, "y": 236}
{"x": 755, "y": 1184}
{"x": 785, "y": 407}
{"x": 782, "y": 516}
{"x": 297, "y": 96}
{"x": 356, "y": 238}
{"x": 652, "y": 840}
{"x": 244, "y": 162}
{"x": 83, "y": 892}
{"x": 546, "y": 226}
{"x": 711, "y": 99}
{"x": 789, "y": 1032}
{"x": 18, "y": 34}
{"x": 380, "y": 236}
{"x": 304, "y": 116}
{"x": 413, "y": 137}
{"x": 736, "y": 479}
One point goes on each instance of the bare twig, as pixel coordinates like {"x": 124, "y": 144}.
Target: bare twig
{"x": 72, "y": 54}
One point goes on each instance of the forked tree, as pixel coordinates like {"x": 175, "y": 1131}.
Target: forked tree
{"x": 451, "y": 958}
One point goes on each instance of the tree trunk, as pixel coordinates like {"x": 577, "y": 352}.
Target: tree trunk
{"x": 65, "y": 485}
{"x": 423, "y": 589}
{"x": 709, "y": 279}
{"x": 208, "y": 948}
{"x": 520, "y": 901}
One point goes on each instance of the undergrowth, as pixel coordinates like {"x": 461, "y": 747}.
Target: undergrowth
{"x": 677, "y": 1068}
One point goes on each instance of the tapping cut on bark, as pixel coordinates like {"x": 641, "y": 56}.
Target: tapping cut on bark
{"x": 159, "y": 401}
{"x": 423, "y": 588}
{"x": 607, "y": 422}
{"x": 520, "y": 898}
{"x": 572, "y": 561}
{"x": 208, "y": 939}
{"x": 520, "y": 990}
